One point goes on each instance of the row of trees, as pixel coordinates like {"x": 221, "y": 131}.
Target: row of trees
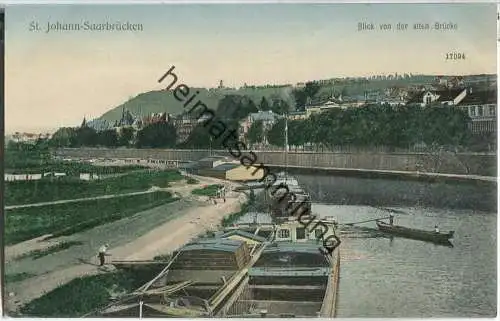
{"x": 373, "y": 125}
{"x": 153, "y": 136}
{"x": 376, "y": 125}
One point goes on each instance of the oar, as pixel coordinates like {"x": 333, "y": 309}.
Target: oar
{"x": 371, "y": 220}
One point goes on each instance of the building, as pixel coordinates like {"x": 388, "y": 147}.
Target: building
{"x": 319, "y": 107}
{"x": 392, "y": 101}
{"x": 233, "y": 172}
{"x": 481, "y": 106}
{"x": 268, "y": 118}
{"x": 155, "y": 118}
{"x": 449, "y": 97}
{"x": 99, "y": 125}
{"x": 297, "y": 115}
{"x": 126, "y": 120}
{"x": 212, "y": 161}
{"x": 184, "y": 125}
{"x": 29, "y": 138}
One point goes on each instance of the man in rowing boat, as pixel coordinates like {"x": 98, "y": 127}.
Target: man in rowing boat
{"x": 436, "y": 229}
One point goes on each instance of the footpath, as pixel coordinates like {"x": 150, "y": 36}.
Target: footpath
{"x": 141, "y": 237}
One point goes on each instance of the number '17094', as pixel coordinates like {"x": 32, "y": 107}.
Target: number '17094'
{"x": 455, "y": 56}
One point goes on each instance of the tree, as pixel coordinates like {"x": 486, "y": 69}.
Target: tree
{"x": 235, "y": 107}
{"x": 297, "y": 133}
{"x": 264, "y": 104}
{"x": 256, "y": 132}
{"x": 126, "y": 136}
{"x": 63, "y": 137}
{"x": 157, "y": 135}
{"x": 300, "y": 98}
{"x": 108, "y": 138}
{"x": 304, "y": 94}
{"x": 280, "y": 106}
{"x": 311, "y": 89}
{"x": 199, "y": 138}
{"x": 85, "y": 136}
{"x": 276, "y": 135}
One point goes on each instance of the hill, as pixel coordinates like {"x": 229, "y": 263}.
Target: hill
{"x": 164, "y": 101}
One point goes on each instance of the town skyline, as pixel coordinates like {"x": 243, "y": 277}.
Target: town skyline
{"x": 75, "y": 74}
{"x": 41, "y": 129}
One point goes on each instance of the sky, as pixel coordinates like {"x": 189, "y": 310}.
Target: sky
{"x": 56, "y": 78}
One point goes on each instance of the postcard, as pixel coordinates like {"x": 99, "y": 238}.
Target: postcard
{"x": 216, "y": 160}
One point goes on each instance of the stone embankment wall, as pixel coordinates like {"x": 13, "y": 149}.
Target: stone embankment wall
{"x": 443, "y": 162}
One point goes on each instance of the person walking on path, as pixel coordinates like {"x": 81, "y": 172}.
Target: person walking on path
{"x": 102, "y": 254}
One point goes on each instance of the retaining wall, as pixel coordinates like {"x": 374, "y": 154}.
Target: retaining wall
{"x": 449, "y": 163}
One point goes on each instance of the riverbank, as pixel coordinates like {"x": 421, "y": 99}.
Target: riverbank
{"x": 482, "y": 164}
{"x": 143, "y": 236}
{"x": 388, "y": 174}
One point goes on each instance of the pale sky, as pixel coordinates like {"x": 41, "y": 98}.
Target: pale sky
{"x": 55, "y": 79}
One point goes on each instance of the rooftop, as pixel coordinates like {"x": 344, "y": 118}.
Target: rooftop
{"x": 263, "y": 116}
{"x": 225, "y": 167}
{"x": 480, "y": 97}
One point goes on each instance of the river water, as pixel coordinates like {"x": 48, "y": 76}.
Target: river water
{"x": 397, "y": 277}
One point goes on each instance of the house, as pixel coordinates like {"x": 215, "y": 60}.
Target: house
{"x": 481, "y": 106}
{"x": 449, "y": 97}
{"x": 319, "y": 107}
{"x": 297, "y": 115}
{"x": 233, "y": 172}
{"x": 268, "y": 118}
{"x": 184, "y": 125}
{"x": 392, "y": 101}
{"x": 219, "y": 171}
{"x": 29, "y": 138}
{"x": 212, "y": 161}
{"x": 154, "y": 118}
{"x": 127, "y": 119}
{"x": 99, "y": 125}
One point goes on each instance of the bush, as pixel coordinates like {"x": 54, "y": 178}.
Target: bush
{"x": 210, "y": 190}
{"x": 84, "y": 295}
{"x": 192, "y": 181}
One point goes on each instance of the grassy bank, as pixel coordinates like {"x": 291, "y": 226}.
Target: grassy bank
{"x": 84, "y": 295}
{"x": 210, "y": 190}
{"x": 66, "y": 219}
{"x": 71, "y": 168}
{"x": 245, "y": 208}
{"x": 27, "y": 192}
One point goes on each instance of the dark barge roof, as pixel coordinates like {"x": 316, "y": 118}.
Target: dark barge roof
{"x": 213, "y": 244}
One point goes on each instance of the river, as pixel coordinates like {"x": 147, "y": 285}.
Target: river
{"x": 397, "y": 277}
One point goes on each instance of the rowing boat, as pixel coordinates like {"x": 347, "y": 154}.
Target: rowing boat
{"x": 432, "y": 236}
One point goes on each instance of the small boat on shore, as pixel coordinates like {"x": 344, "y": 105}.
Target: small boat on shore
{"x": 431, "y": 236}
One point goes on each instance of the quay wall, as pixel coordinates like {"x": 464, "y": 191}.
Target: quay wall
{"x": 483, "y": 164}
